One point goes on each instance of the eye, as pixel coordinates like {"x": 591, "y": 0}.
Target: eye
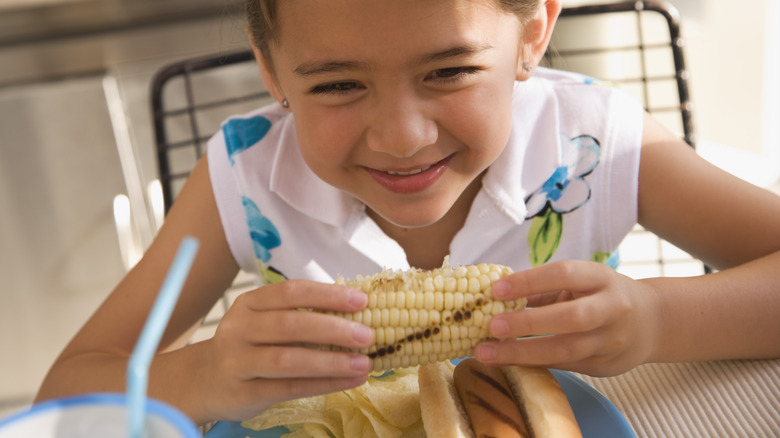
{"x": 336, "y": 88}
{"x": 453, "y": 73}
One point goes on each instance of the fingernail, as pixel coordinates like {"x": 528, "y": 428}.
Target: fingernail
{"x": 499, "y": 328}
{"x": 357, "y": 298}
{"x": 500, "y": 289}
{"x": 485, "y": 352}
{"x": 362, "y": 334}
{"x": 360, "y": 363}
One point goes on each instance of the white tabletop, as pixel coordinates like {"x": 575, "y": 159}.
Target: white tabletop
{"x": 738, "y": 398}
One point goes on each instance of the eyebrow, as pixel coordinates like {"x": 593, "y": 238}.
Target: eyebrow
{"x": 315, "y": 68}
{"x": 454, "y": 52}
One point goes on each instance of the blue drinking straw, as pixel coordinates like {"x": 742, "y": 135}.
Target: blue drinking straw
{"x": 138, "y": 367}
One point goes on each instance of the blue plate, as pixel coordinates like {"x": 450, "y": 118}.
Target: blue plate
{"x": 596, "y": 415}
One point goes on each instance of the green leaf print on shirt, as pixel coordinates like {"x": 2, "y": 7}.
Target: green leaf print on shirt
{"x": 610, "y": 259}
{"x": 545, "y": 236}
{"x": 270, "y": 275}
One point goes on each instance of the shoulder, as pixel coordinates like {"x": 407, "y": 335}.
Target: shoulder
{"x": 575, "y": 104}
{"x": 264, "y": 126}
{"x": 561, "y": 79}
{"x": 575, "y": 89}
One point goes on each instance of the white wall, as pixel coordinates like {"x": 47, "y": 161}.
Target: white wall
{"x": 733, "y": 54}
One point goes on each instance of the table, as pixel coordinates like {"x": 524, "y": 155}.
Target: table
{"x": 719, "y": 399}
{"x": 734, "y": 398}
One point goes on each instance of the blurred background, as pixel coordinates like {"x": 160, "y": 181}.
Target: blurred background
{"x": 78, "y": 202}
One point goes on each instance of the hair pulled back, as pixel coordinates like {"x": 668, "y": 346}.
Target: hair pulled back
{"x": 261, "y": 19}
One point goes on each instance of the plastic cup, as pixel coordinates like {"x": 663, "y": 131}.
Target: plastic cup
{"x": 95, "y": 415}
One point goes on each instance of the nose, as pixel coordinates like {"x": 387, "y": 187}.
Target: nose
{"x": 401, "y": 126}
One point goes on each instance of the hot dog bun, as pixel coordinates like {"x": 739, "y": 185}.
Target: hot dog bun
{"x": 444, "y": 415}
{"x": 546, "y": 408}
{"x": 531, "y": 394}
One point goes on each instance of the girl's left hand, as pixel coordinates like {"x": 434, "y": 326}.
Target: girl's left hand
{"x": 582, "y": 316}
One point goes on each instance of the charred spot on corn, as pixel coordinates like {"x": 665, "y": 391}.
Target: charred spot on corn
{"x": 427, "y": 316}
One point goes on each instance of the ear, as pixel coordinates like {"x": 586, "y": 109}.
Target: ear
{"x": 536, "y": 37}
{"x": 266, "y": 72}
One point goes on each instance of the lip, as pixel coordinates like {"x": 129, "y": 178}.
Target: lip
{"x": 410, "y": 180}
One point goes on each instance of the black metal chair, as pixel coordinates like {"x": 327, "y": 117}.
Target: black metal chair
{"x": 634, "y": 45}
{"x": 189, "y": 100}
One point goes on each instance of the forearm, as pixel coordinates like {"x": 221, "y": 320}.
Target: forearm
{"x": 173, "y": 378}
{"x": 729, "y": 314}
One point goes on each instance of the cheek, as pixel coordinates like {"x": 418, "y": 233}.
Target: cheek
{"x": 326, "y": 141}
{"x": 484, "y": 123}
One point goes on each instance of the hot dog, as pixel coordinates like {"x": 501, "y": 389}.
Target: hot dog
{"x": 489, "y": 402}
{"x": 477, "y": 400}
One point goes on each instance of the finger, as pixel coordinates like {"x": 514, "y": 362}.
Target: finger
{"x": 582, "y": 315}
{"x": 300, "y": 326}
{"x": 546, "y": 299}
{"x": 293, "y": 294}
{"x": 571, "y": 275}
{"x": 549, "y": 351}
{"x": 277, "y": 362}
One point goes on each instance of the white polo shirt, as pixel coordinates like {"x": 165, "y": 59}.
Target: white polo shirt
{"x": 565, "y": 187}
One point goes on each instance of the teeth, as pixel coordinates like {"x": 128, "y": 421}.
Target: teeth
{"x": 411, "y": 172}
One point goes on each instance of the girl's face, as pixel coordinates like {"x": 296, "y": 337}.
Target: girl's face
{"x": 401, "y": 103}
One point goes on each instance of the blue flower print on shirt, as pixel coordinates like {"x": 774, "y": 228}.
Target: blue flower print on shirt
{"x": 593, "y": 81}
{"x": 264, "y": 234}
{"x": 564, "y": 191}
{"x": 265, "y": 237}
{"x": 610, "y": 259}
{"x": 241, "y": 134}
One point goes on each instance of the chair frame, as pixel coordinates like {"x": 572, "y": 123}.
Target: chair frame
{"x": 676, "y": 44}
{"x": 186, "y": 69}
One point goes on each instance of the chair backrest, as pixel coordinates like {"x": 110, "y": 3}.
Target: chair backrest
{"x": 634, "y": 45}
{"x": 189, "y": 100}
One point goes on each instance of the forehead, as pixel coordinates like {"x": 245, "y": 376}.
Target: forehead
{"x": 384, "y": 28}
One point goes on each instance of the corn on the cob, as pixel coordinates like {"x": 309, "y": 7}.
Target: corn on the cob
{"x": 427, "y": 316}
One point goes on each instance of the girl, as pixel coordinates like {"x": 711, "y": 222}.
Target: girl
{"x": 410, "y": 130}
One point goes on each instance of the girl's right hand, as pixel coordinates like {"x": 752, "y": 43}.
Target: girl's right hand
{"x": 266, "y": 350}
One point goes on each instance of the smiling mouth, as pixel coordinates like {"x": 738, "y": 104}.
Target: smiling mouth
{"x": 412, "y": 180}
{"x": 408, "y": 173}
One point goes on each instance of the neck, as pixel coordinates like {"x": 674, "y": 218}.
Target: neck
{"x": 427, "y": 246}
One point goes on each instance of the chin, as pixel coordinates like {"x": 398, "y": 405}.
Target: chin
{"x": 410, "y": 216}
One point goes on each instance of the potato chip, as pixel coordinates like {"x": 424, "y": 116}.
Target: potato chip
{"x": 416, "y": 430}
{"x": 303, "y": 410}
{"x": 356, "y": 426}
{"x": 395, "y": 397}
{"x": 313, "y": 430}
{"x": 380, "y": 425}
{"x": 386, "y": 406}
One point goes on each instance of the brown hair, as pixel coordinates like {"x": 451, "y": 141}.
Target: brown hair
{"x": 261, "y": 19}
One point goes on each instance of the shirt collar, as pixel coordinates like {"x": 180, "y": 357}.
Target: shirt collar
{"x": 530, "y": 154}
